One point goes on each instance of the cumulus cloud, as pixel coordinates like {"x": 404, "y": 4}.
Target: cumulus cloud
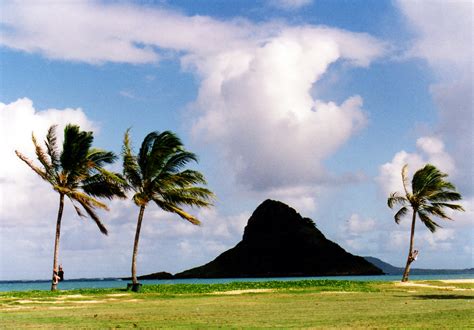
{"x": 256, "y": 79}
{"x": 443, "y": 31}
{"x": 430, "y": 150}
{"x": 256, "y": 106}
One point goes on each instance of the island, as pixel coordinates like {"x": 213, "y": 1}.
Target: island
{"x": 279, "y": 242}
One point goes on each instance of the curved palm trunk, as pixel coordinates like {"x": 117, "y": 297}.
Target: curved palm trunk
{"x": 135, "y": 246}
{"x": 410, "y": 251}
{"x": 54, "y": 283}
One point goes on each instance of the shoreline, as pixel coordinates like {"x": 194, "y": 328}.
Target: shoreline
{"x": 70, "y": 285}
{"x": 247, "y": 279}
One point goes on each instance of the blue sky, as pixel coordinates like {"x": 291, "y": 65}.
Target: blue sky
{"x": 316, "y": 103}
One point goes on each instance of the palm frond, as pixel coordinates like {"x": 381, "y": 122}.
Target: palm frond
{"x": 165, "y": 146}
{"x": 455, "y": 207}
{"x": 100, "y": 158}
{"x": 29, "y": 162}
{"x": 175, "y": 209}
{"x": 105, "y": 184}
{"x": 444, "y": 196}
{"x": 436, "y": 211}
{"x": 428, "y": 180}
{"x": 52, "y": 148}
{"x": 182, "y": 179}
{"x": 77, "y": 208}
{"x": 405, "y": 179}
{"x": 191, "y": 196}
{"x": 428, "y": 222}
{"x": 131, "y": 169}
{"x": 84, "y": 198}
{"x": 402, "y": 212}
{"x": 42, "y": 157}
{"x": 76, "y": 147}
{"x": 143, "y": 154}
{"x": 90, "y": 211}
{"x": 178, "y": 160}
{"x": 395, "y": 199}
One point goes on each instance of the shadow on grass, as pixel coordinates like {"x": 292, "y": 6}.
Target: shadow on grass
{"x": 444, "y": 296}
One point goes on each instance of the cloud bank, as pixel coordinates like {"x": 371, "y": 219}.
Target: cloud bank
{"x": 443, "y": 34}
{"x": 255, "y": 103}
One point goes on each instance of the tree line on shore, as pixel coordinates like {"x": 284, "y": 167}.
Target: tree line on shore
{"x": 158, "y": 173}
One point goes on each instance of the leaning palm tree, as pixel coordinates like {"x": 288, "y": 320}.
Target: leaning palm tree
{"x": 75, "y": 172}
{"x": 430, "y": 195}
{"x": 156, "y": 175}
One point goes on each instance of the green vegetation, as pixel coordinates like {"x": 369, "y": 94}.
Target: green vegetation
{"x": 76, "y": 172}
{"x": 301, "y": 304}
{"x": 156, "y": 174}
{"x": 430, "y": 195}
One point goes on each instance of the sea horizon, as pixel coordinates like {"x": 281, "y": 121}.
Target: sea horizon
{"x": 103, "y": 283}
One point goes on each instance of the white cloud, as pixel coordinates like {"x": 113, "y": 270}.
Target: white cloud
{"x": 256, "y": 106}
{"x": 443, "y": 32}
{"x": 256, "y": 79}
{"x": 88, "y": 31}
{"x": 357, "y": 225}
{"x": 431, "y": 150}
{"x": 360, "y": 235}
{"x": 443, "y": 37}
{"x": 301, "y": 198}
{"x": 22, "y": 189}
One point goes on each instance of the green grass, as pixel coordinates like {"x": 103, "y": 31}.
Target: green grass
{"x": 300, "y": 304}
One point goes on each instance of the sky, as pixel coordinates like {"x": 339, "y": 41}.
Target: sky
{"x": 315, "y": 103}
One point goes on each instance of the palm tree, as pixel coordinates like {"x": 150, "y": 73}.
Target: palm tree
{"x": 430, "y": 195}
{"x": 156, "y": 174}
{"x": 77, "y": 173}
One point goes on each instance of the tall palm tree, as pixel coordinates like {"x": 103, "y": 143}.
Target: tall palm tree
{"x": 76, "y": 172}
{"x": 156, "y": 174}
{"x": 430, "y": 195}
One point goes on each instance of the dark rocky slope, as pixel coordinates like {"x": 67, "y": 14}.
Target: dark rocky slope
{"x": 278, "y": 242}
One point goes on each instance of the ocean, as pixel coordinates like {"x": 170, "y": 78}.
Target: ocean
{"x": 118, "y": 283}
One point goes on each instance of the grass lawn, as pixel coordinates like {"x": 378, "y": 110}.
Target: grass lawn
{"x": 301, "y": 304}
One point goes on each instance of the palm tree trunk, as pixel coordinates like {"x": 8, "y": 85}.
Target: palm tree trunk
{"x": 135, "y": 245}
{"x": 54, "y": 282}
{"x": 410, "y": 251}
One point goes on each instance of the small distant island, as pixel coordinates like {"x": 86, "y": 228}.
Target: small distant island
{"x": 393, "y": 270}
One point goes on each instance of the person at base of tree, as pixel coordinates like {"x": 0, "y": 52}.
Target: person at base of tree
{"x": 61, "y": 273}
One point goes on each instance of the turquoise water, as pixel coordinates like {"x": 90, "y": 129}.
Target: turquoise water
{"x": 117, "y": 283}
